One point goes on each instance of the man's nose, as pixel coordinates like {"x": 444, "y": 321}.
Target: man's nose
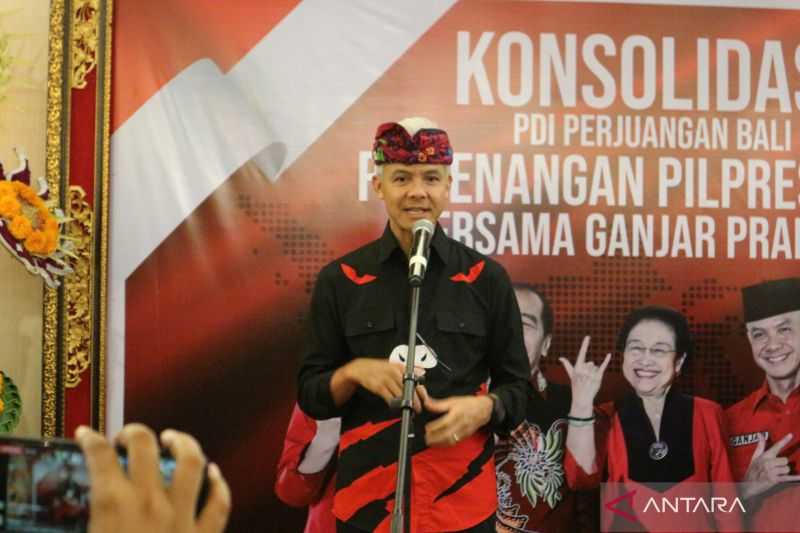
{"x": 773, "y": 342}
{"x": 417, "y": 189}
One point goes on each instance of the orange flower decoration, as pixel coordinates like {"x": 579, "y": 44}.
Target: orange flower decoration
{"x": 20, "y": 227}
{"x": 28, "y": 194}
{"x": 9, "y": 207}
{"x": 30, "y": 224}
{"x": 52, "y": 241}
{"x": 37, "y": 202}
{"x": 49, "y": 223}
{"x": 36, "y": 243}
{"x": 29, "y": 218}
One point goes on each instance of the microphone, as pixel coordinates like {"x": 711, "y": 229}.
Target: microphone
{"x": 420, "y": 246}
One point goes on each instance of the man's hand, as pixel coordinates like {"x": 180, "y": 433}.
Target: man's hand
{"x": 767, "y": 469}
{"x": 378, "y": 376}
{"x": 464, "y": 415}
{"x": 139, "y": 501}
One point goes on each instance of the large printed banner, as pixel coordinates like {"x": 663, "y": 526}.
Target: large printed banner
{"x": 614, "y": 154}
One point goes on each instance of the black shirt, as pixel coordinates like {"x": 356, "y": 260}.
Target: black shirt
{"x": 468, "y": 315}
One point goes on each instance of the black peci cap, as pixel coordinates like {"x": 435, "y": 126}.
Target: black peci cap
{"x": 771, "y": 298}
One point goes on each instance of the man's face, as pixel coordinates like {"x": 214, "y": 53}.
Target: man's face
{"x": 536, "y": 342}
{"x": 776, "y": 344}
{"x": 412, "y": 192}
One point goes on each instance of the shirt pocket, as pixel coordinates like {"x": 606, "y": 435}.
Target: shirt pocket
{"x": 463, "y": 336}
{"x": 370, "y": 331}
{"x": 461, "y": 322}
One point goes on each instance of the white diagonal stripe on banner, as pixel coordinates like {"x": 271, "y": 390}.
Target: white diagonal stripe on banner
{"x": 188, "y": 138}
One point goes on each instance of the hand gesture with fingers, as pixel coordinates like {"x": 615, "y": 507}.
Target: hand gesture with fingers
{"x": 382, "y": 378}
{"x": 766, "y": 468}
{"x": 139, "y": 501}
{"x": 586, "y": 378}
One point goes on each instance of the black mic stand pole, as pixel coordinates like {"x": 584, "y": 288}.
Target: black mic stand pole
{"x": 409, "y": 386}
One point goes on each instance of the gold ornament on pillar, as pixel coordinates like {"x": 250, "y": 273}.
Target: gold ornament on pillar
{"x": 79, "y": 287}
{"x": 85, "y": 18}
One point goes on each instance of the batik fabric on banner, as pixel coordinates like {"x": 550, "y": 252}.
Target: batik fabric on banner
{"x": 532, "y": 490}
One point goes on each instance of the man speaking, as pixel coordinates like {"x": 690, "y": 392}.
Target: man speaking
{"x": 470, "y": 334}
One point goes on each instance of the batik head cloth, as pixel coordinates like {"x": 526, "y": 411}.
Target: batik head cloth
{"x": 428, "y": 146}
{"x": 771, "y": 298}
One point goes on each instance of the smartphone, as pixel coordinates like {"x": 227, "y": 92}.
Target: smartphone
{"x": 44, "y": 485}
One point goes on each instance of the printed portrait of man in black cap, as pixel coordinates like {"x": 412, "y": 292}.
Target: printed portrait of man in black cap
{"x": 764, "y": 427}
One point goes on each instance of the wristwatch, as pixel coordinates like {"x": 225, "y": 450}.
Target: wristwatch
{"x": 498, "y": 411}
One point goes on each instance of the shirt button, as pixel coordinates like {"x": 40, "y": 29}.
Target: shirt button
{"x": 370, "y": 325}
{"x": 461, "y": 325}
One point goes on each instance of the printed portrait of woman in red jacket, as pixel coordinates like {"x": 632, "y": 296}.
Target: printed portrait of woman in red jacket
{"x": 655, "y": 438}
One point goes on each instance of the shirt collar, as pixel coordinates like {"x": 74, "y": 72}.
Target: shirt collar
{"x": 763, "y": 392}
{"x": 441, "y": 244}
{"x": 388, "y": 243}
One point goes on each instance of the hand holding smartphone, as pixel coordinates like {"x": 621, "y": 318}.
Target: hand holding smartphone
{"x": 51, "y": 486}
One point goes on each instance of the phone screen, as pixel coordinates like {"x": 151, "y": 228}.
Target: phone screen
{"x": 44, "y": 486}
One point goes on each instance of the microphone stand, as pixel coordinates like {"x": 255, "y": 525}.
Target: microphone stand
{"x": 409, "y": 386}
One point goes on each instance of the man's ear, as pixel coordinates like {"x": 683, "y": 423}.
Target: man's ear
{"x": 376, "y": 186}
